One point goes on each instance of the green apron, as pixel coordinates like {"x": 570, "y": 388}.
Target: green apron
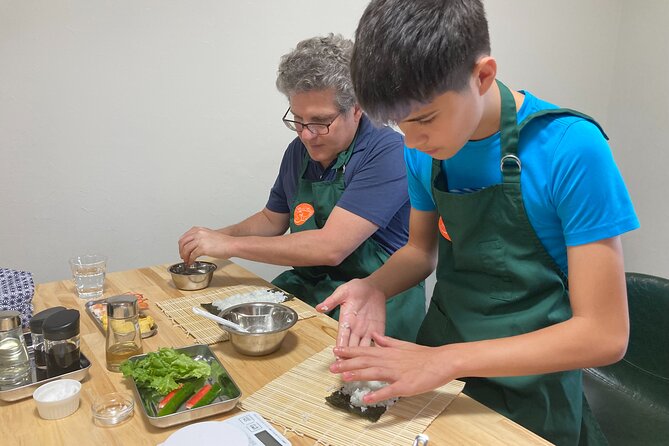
{"x": 404, "y": 312}
{"x": 495, "y": 279}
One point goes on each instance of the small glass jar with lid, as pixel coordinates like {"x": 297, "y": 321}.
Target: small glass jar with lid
{"x": 61, "y": 342}
{"x": 37, "y": 337}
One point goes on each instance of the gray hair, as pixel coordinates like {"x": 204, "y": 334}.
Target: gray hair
{"x": 319, "y": 63}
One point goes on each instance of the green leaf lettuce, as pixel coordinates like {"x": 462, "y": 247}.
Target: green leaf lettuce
{"x": 161, "y": 370}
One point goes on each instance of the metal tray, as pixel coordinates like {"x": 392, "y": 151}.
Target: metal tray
{"x": 33, "y": 381}
{"x": 91, "y": 312}
{"x": 219, "y": 405}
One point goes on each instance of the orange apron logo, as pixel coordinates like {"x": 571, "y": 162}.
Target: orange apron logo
{"x": 302, "y": 213}
{"x": 442, "y": 229}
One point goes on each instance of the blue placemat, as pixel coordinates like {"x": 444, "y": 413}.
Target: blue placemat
{"x": 16, "y": 292}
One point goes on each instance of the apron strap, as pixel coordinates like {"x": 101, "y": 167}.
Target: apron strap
{"x": 560, "y": 111}
{"x": 342, "y": 158}
{"x": 508, "y": 126}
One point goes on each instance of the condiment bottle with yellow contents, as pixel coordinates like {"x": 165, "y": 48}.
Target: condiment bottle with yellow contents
{"x": 124, "y": 338}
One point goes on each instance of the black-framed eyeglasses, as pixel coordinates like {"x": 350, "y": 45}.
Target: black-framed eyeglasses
{"x": 316, "y": 128}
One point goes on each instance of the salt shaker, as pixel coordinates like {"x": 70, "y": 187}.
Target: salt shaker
{"x": 14, "y": 360}
{"x": 124, "y": 338}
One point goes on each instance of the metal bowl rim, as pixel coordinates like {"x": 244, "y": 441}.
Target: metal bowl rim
{"x": 211, "y": 267}
{"x": 255, "y": 304}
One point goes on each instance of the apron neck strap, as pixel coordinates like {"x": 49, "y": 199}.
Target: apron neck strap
{"x": 508, "y": 127}
{"x": 342, "y": 158}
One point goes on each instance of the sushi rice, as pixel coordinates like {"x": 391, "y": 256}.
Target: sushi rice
{"x": 272, "y": 296}
{"x": 356, "y": 390}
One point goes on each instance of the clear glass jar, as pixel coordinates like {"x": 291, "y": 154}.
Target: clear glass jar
{"x": 124, "y": 338}
{"x": 14, "y": 360}
{"x": 37, "y": 338}
{"x": 61, "y": 342}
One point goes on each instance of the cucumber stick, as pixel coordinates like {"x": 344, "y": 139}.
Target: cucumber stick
{"x": 209, "y": 396}
{"x": 180, "y": 397}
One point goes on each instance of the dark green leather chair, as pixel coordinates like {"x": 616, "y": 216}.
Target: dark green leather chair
{"x": 630, "y": 398}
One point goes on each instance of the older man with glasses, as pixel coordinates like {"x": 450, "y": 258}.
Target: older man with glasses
{"x": 341, "y": 189}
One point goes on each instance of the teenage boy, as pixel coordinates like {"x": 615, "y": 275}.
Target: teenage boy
{"x": 521, "y": 206}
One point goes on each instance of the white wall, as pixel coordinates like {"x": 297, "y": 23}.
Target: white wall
{"x": 124, "y": 123}
{"x": 639, "y": 119}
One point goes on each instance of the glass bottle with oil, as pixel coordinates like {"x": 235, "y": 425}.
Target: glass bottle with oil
{"x": 14, "y": 361}
{"x": 124, "y": 338}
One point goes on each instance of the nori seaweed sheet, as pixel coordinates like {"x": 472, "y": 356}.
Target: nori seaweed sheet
{"x": 211, "y": 308}
{"x": 343, "y": 401}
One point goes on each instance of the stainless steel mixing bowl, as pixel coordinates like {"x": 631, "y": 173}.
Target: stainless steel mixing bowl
{"x": 267, "y": 325}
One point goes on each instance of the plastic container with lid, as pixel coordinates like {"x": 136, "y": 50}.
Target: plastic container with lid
{"x": 36, "y": 336}
{"x": 61, "y": 342}
{"x": 14, "y": 360}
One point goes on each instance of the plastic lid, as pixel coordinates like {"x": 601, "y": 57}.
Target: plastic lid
{"x": 38, "y": 320}
{"x": 9, "y": 320}
{"x": 61, "y": 325}
{"x": 122, "y": 307}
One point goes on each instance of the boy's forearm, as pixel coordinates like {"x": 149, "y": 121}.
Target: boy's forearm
{"x": 565, "y": 346}
{"x": 406, "y": 267}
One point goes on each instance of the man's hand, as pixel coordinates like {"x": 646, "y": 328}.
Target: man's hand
{"x": 203, "y": 242}
{"x": 362, "y": 312}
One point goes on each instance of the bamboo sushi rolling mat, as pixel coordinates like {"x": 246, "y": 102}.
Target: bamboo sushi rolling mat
{"x": 296, "y": 401}
{"x": 205, "y": 331}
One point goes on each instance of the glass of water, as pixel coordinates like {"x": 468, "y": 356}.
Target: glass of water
{"x": 88, "y": 272}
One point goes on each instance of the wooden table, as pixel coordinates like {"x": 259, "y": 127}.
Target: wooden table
{"x": 464, "y": 422}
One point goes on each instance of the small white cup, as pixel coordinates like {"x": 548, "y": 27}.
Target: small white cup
{"x": 57, "y": 399}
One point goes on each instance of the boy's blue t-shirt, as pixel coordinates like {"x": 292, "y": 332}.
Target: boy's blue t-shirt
{"x": 375, "y": 179}
{"x": 572, "y": 189}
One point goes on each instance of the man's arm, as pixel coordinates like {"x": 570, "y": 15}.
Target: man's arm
{"x": 342, "y": 234}
{"x": 265, "y": 223}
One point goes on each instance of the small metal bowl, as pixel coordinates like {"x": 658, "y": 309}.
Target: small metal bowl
{"x": 267, "y": 325}
{"x": 194, "y": 277}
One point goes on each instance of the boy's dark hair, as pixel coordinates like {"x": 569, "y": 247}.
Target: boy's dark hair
{"x": 407, "y": 52}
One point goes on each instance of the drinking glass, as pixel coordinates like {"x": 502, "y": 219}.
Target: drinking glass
{"x": 88, "y": 272}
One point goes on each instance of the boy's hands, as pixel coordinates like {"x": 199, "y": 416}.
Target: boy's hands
{"x": 362, "y": 312}
{"x": 409, "y": 369}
